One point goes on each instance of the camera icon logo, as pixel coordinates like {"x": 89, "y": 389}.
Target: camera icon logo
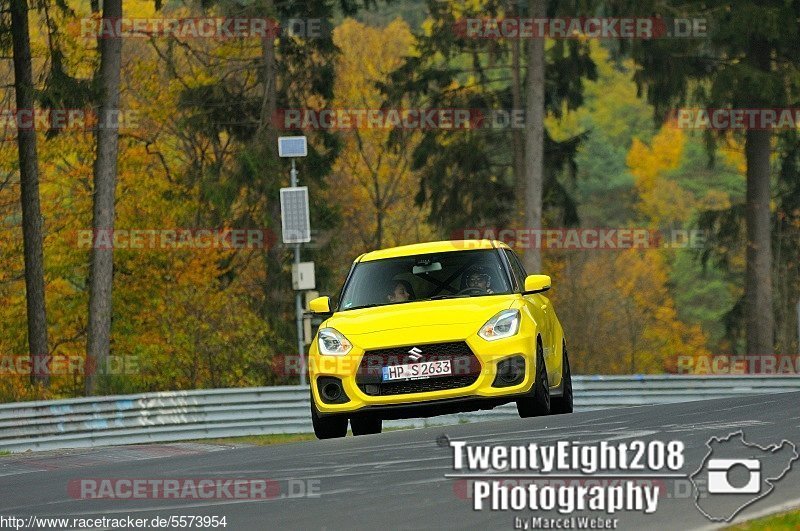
{"x": 736, "y": 473}
{"x": 718, "y": 476}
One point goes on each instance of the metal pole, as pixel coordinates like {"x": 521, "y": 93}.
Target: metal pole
{"x": 298, "y": 303}
{"x": 298, "y": 310}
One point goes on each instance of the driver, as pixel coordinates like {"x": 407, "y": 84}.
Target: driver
{"x": 479, "y": 278}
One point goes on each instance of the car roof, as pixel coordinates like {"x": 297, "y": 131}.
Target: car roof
{"x": 432, "y": 247}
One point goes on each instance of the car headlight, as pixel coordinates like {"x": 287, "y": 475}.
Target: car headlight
{"x": 332, "y": 343}
{"x": 504, "y": 324}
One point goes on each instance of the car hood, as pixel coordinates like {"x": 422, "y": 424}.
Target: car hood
{"x": 472, "y": 310}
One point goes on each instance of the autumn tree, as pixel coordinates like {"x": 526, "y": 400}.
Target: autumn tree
{"x": 180, "y": 315}
{"x": 632, "y": 173}
{"x": 228, "y": 123}
{"x": 628, "y": 323}
{"x": 747, "y": 60}
{"x": 370, "y": 171}
{"x": 470, "y": 177}
{"x": 105, "y": 185}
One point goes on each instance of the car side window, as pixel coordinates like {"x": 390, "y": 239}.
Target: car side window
{"x": 516, "y": 266}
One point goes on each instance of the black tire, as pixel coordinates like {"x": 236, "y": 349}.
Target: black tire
{"x": 537, "y": 402}
{"x": 563, "y": 404}
{"x": 329, "y": 426}
{"x": 365, "y": 425}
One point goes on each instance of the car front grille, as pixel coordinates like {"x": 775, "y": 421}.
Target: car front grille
{"x": 465, "y": 366}
{"x": 423, "y": 386}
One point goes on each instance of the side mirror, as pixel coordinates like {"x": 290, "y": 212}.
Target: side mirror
{"x": 536, "y": 284}
{"x": 320, "y": 305}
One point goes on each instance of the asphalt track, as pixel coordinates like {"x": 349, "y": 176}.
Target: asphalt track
{"x": 396, "y": 480}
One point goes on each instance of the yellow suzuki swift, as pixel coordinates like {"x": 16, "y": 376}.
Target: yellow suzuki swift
{"x": 436, "y": 328}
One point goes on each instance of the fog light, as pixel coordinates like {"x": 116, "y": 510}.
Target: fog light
{"x": 331, "y": 391}
{"x": 510, "y": 372}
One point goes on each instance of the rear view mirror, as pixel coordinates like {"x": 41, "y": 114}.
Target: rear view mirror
{"x": 320, "y": 305}
{"x": 426, "y": 268}
{"x": 536, "y": 284}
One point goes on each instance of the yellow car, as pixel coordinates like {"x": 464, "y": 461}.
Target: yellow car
{"x": 436, "y": 328}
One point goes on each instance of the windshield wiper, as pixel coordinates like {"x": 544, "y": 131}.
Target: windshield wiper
{"x": 365, "y": 306}
{"x": 434, "y": 298}
{"x": 440, "y": 297}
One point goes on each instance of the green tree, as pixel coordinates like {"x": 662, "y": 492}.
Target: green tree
{"x": 478, "y": 176}
{"x": 611, "y": 116}
{"x": 748, "y": 60}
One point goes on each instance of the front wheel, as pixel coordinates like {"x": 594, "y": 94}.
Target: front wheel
{"x": 537, "y": 402}
{"x": 563, "y": 403}
{"x": 327, "y": 427}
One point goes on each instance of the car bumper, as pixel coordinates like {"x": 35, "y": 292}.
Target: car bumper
{"x": 483, "y": 393}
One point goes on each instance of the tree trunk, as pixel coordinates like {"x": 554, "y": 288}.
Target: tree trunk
{"x": 517, "y": 139}
{"x": 758, "y": 276}
{"x": 758, "y": 314}
{"x": 534, "y": 139}
{"x": 277, "y": 307}
{"x": 276, "y": 288}
{"x": 269, "y": 94}
{"x": 101, "y": 270}
{"x": 29, "y": 188}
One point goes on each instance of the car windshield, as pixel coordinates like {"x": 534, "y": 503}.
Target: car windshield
{"x": 434, "y": 276}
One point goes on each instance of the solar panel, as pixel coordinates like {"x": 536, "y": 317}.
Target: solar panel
{"x": 292, "y": 146}
{"x": 295, "y": 222}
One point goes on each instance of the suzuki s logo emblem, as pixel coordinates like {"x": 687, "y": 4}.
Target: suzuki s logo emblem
{"x": 415, "y": 354}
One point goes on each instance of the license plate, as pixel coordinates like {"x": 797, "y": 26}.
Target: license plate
{"x": 416, "y": 371}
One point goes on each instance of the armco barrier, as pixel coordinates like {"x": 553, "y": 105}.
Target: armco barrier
{"x": 185, "y": 415}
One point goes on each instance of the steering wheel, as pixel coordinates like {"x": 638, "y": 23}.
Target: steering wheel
{"x": 471, "y": 291}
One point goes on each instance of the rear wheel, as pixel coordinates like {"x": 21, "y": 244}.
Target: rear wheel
{"x": 537, "y": 402}
{"x": 329, "y": 426}
{"x": 563, "y": 403}
{"x": 365, "y": 425}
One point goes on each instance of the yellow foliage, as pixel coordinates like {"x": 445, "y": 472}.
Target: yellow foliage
{"x": 648, "y": 162}
{"x": 733, "y": 150}
{"x": 372, "y": 181}
{"x": 611, "y": 95}
{"x": 663, "y": 201}
{"x": 172, "y": 314}
{"x": 625, "y": 323}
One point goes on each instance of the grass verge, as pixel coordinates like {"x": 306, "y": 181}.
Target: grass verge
{"x": 773, "y": 522}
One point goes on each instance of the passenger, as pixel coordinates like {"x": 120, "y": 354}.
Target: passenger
{"x": 401, "y": 291}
